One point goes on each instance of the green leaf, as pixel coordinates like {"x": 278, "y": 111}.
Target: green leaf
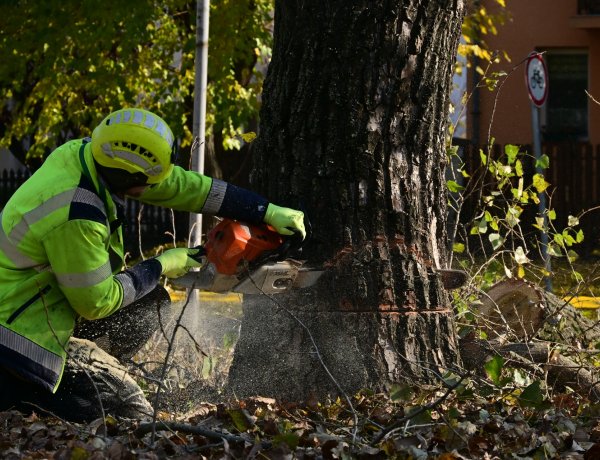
{"x": 459, "y": 248}
{"x": 579, "y": 237}
{"x": 239, "y": 419}
{"x": 552, "y": 214}
{"x": 482, "y": 226}
{"x": 493, "y": 368}
{"x": 519, "y": 168}
{"x": 454, "y": 186}
{"x": 542, "y": 162}
{"x": 553, "y": 250}
{"x": 496, "y": 240}
{"x": 290, "y": 439}
{"x": 511, "y": 152}
{"x": 539, "y": 183}
{"x": 532, "y": 396}
{"x": 577, "y": 277}
{"x": 512, "y": 216}
{"x": 539, "y": 222}
{"x": 401, "y": 393}
{"x": 419, "y": 418}
{"x": 249, "y": 136}
{"x": 483, "y": 157}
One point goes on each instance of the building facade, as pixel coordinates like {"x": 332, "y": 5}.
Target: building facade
{"x": 567, "y": 32}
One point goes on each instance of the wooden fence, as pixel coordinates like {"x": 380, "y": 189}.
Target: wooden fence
{"x": 574, "y": 177}
{"x": 145, "y": 228}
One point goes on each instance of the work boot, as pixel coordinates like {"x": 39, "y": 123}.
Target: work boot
{"x": 93, "y": 385}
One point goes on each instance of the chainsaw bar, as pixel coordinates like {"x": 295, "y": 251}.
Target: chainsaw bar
{"x": 452, "y": 279}
{"x": 270, "y": 278}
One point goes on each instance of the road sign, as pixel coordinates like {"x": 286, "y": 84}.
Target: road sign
{"x": 536, "y": 77}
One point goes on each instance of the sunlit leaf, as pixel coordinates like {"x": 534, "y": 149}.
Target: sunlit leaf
{"x": 454, "y": 186}
{"x": 249, "y": 136}
{"x": 483, "y": 157}
{"x": 496, "y": 240}
{"x": 520, "y": 256}
{"x": 539, "y": 183}
{"x": 459, "y": 248}
{"x": 511, "y": 152}
{"x": 572, "y": 221}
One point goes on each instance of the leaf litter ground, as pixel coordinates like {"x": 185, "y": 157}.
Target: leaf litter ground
{"x": 457, "y": 428}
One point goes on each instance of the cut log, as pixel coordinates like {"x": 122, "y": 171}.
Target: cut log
{"x": 515, "y": 310}
{"x": 540, "y": 358}
{"x": 511, "y": 310}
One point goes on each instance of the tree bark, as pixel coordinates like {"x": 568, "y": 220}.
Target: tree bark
{"x": 352, "y": 131}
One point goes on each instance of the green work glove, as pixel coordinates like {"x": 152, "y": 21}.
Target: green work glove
{"x": 177, "y": 262}
{"x": 285, "y": 220}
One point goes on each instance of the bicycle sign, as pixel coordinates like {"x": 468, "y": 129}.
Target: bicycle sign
{"x": 536, "y": 77}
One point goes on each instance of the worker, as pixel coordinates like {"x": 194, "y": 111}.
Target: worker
{"x": 62, "y": 275}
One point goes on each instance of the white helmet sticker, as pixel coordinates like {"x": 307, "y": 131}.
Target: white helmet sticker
{"x": 145, "y": 119}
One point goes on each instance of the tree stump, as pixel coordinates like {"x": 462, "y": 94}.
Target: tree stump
{"x": 511, "y": 310}
{"x": 537, "y": 331}
{"x": 515, "y": 310}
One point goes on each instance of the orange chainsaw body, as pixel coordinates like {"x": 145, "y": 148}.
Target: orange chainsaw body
{"x": 231, "y": 243}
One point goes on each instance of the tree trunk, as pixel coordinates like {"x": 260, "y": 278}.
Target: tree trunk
{"x": 352, "y": 131}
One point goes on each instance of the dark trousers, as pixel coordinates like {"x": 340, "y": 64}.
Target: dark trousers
{"x": 93, "y": 378}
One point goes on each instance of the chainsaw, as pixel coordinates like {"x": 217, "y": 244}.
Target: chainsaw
{"x": 255, "y": 259}
{"x": 249, "y": 259}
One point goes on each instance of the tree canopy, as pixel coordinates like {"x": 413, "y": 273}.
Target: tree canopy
{"x": 67, "y": 63}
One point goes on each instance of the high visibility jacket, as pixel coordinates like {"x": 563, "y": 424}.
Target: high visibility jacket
{"x": 61, "y": 253}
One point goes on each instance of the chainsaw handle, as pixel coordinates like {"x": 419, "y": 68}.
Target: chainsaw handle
{"x": 292, "y": 244}
{"x": 200, "y": 254}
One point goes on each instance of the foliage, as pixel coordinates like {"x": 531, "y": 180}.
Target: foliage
{"x": 478, "y": 23}
{"x": 502, "y": 189}
{"x": 459, "y": 428}
{"x": 67, "y": 63}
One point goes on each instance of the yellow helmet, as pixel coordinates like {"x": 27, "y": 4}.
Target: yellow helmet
{"x": 136, "y": 141}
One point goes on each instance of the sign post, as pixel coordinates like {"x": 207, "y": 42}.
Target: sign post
{"x": 536, "y": 79}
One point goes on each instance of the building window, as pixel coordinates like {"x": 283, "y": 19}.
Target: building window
{"x": 565, "y": 114}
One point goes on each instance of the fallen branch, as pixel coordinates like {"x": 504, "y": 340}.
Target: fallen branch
{"x": 561, "y": 371}
{"x": 152, "y": 427}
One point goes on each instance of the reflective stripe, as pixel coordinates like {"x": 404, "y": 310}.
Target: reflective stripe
{"x": 10, "y": 250}
{"x": 149, "y": 121}
{"x": 215, "y": 198}
{"x": 129, "y": 292}
{"x": 149, "y": 169}
{"x": 87, "y": 279}
{"x": 9, "y": 243}
{"x": 31, "y": 217}
{"x": 31, "y": 351}
{"x": 87, "y": 197}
